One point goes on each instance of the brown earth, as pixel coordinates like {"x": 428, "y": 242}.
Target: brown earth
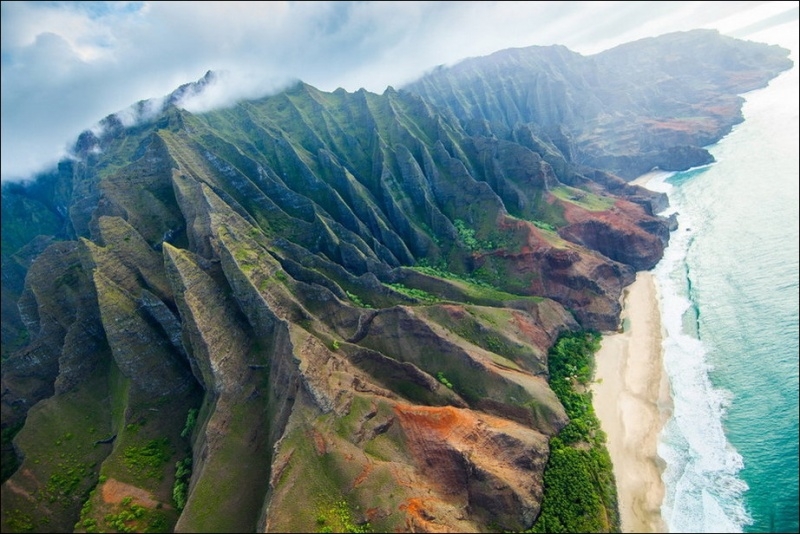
{"x": 113, "y": 491}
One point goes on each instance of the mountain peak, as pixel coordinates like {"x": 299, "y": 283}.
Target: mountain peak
{"x": 193, "y": 89}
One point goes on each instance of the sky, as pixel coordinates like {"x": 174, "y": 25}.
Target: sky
{"x": 67, "y": 65}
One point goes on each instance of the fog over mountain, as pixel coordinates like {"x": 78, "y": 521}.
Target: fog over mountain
{"x": 66, "y": 65}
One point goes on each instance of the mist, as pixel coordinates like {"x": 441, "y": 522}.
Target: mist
{"x": 67, "y": 65}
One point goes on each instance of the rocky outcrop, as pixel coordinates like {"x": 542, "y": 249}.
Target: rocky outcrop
{"x": 496, "y": 463}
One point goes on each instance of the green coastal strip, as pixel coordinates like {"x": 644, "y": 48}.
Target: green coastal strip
{"x": 580, "y": 492}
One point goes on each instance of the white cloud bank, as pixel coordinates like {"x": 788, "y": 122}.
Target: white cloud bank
{"x": 66, "y": 65}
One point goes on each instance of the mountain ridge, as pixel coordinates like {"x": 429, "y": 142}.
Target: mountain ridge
{"x": 590, "y": 103}
{"x": 354, "y": 294}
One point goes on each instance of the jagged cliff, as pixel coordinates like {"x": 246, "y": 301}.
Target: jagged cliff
{"x": 652, "y": 103}
{"x": 332, "y": 308}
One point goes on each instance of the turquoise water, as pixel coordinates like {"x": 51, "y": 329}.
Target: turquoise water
{"x": 729, "y": 299}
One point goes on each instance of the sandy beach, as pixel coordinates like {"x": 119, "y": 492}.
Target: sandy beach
{"x": 631, "y": 399}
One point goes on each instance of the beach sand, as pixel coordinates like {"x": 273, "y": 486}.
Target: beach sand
{"x": 631, "y": 398}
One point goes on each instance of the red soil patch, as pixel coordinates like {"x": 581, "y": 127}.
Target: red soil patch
{"x": 417, "y": 515}
{"x": 18, "y": 490}
{"x": 445, "y": 421}
{"x": 401, "y": 478}
{"x": 624, "y": 216}
{"x": 113, "y": 491}
{"x": 319, "y": 443}
{"x": 363, "y": 475}
{"x": 420, "y": 519}
{"x": 414, "y": 506}
{"x": 455, "y": 311}
{"x": 531, "y": 332}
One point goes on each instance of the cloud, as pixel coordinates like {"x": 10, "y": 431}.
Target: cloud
{"x": 66, "y": 65}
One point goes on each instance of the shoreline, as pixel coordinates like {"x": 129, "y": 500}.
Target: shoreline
{"x": 646, "y": 177}
{"x": 631, "y": 398}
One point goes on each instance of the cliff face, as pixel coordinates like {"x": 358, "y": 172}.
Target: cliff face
{"x": 652, "y": 103}
{"x": 315, "y": 310}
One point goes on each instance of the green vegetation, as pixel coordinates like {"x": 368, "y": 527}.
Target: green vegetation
{"x": 146, "y": 461}
{"x": 122, "y": 521}
{"x": 467, "y": 235}
{"x": 543, "y": 225}
{"x": 439, "y": 272}
{"x": 480, "y": 287}
{"x": 584, "y": 199}
{"x": 183, "y": 468}
{"x": 128, "y": 516}
{"x": 10, "y": 461}
{"x": 357, "y": 300}
{"x": 580, "y": 491}
{"x": 218, "y": 502}
{"x": 86, "y": 521}
{"x": 338, "y": 518}
{"x": 180, "y": 491}
{"x": 484, "y": 327}
{"x": 490, "y": 284}
{"x": 61, "y": 460}
{"x": 440, "y": 376}
{"x": 417, "y": 294}
{"x": 191, "y": 421}
{"x": 542, "y": 210}
{"x": 66, "y": 479}
{"x": 19, "y": 521}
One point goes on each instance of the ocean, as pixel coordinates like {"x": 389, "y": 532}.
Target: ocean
{"x": 729, "y": 287}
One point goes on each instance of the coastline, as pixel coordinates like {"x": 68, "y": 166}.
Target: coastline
{"x": 631, "y": 398}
